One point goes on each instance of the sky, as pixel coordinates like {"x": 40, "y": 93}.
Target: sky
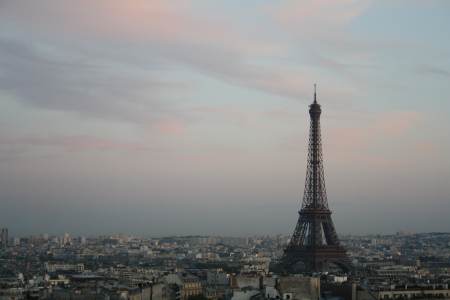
{"x": 159, "y": 117}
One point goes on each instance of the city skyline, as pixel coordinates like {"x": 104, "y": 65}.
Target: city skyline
{"x": 173, "y": 118}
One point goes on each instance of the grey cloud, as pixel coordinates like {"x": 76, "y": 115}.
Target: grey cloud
{"x": 433, "y": 71}
{"x": 37, "y": 78}
{"x": 44, "y": 80}
{"x": 227, "y": 58}
{"x": 74, "y": 143}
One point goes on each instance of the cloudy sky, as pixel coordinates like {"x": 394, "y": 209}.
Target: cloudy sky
{"x": 190, "y": 117}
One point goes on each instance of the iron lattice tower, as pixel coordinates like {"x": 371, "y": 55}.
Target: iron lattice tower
{"x": 314, "y": 244}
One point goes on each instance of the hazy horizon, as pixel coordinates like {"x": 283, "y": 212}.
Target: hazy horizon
{"x": 191, "y": 117}
{"x": 131, "y": 235}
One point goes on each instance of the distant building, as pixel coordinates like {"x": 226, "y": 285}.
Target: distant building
{"x": 79, "y": 268}
{"x": 189, "y": 285}
{"x": 241, "y": 281}
{"x": 294, "y": 287}
{"x": 217, "y": 277}
{"x": 66, "y": 240}
{"x": 4, "y": 237}
{"x": 299, "y": 288}
{"x": 431, "y": 291}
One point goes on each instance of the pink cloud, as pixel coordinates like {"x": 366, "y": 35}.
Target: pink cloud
{"x": 318, "y": 15}
{"x": 366, "y": 143}
{"x": 427, "y": 147}
{"x": 397, "y": 123}
{"x": 230, "y": 114}
{"x": 321, "y": 27}
{"x": 164, "y": 22}
{"x": 170, "y": 126}
{"x": 382, "y": 126}
{"x": 109, "y": 18}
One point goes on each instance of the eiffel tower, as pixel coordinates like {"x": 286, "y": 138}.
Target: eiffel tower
{"x": 314, "y": 246}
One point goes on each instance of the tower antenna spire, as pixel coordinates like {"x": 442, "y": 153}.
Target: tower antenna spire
{"x": 315, "y": 92}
